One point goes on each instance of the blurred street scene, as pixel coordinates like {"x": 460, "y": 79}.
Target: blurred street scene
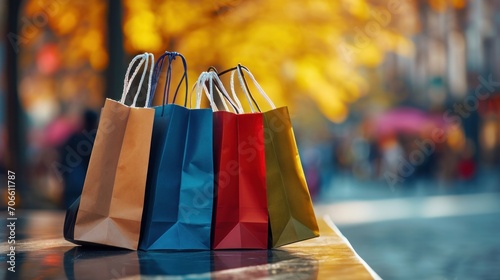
{"x": 395, "y": 106}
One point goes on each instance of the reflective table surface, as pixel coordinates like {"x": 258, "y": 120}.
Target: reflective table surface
{"x": 42, "y": 253}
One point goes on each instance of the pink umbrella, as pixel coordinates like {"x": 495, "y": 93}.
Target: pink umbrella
{"x": 405, "y": 120}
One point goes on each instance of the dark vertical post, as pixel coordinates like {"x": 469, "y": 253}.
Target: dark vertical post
{"x": 16, "y": 141}
{"x": 116, "y": 67}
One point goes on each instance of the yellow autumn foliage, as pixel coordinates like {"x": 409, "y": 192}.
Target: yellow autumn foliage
{"x": 313, "y": 48}
{"x": 294, "y": 48}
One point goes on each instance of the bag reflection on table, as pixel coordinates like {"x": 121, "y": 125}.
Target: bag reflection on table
{"x": 92, "y": 263}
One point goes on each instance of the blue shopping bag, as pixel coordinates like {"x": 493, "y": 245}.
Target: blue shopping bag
{"x": 180, "y": 183}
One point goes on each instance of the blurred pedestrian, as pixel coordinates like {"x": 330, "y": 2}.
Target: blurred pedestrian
{"x": 75, "y": 156}
{"x": 467, "y": 164}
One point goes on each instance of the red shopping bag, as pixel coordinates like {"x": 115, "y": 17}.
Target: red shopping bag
{"x": 240, "y": 218}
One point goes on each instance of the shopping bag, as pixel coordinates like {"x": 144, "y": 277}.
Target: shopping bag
{"x": 69, "y": 221}
{"x": 180, "y": 185}
{"x": 112, "y": 199}
{"x": 69, "y": 225}
{"x": 291, "y": 213}
{"x": 240, "y": 213}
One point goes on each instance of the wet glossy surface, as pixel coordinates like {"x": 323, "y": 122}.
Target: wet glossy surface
{"x": 41, "y": 253}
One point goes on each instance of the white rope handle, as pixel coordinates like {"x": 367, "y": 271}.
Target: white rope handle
{"x": 235, "y": 96}
{"x": 202, "y": 87}
{"x": 128, "y": 82}
{"x": 148, "y": 94}
{"x": 259, "y": 88}
{"x": 199, "y": 86}
{"x": 213, "y": 76}
{"x": 223, "y": 94}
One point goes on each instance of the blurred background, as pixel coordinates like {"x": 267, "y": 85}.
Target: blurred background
{"x": 395, "y": 106}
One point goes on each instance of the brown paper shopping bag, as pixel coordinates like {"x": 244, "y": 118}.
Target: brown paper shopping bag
{"x": 112, "y": 200}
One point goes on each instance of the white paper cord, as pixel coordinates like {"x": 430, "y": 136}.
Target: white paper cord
{"x": 233, "y": 92}
{"x": 259, "y": 88}
{"x": 148, "y": 94}
{"x": 151, "y": 70}
{"x": 128, "y": 82}
{"x": 141, "y": 81}
{"x": 224, "y": 95}
{"x": 212, "y": 76}
{"x": 202, "y": 87}
{"x": 247, "y": 93}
